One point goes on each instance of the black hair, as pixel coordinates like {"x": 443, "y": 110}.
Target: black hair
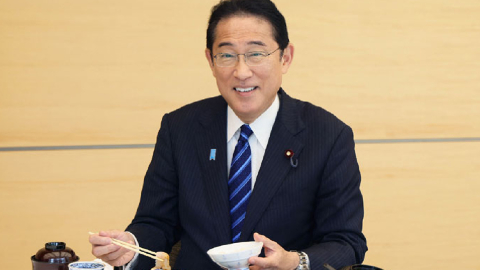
{"x": 264, "y": 9}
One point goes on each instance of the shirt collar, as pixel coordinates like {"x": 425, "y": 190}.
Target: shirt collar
{"x": 261, "y": 127}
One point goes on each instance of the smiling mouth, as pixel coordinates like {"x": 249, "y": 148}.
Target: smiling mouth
{"x": 244, "y": 90}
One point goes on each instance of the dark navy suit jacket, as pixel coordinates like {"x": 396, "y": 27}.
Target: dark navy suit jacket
{"x": 316, "y": 207}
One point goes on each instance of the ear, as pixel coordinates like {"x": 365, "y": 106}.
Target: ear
{"x": 208, "y": 55}
{"x": 287, "y": 57}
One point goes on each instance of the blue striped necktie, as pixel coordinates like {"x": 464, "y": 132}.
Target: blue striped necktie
{"x": 240, "y": 182}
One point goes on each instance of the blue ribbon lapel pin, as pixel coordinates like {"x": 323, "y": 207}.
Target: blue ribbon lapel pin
{"x": 213, "y": 153}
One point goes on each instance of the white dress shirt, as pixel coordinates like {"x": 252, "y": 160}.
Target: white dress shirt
{"x": 261, "y": 127}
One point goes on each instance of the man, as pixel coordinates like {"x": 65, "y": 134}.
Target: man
{"x": 299, "y": 189}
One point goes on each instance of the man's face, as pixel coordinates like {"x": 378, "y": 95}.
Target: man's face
{"x": 248, "y": 90}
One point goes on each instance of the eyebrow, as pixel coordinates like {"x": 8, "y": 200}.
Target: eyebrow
{"x": 255, "y": 42}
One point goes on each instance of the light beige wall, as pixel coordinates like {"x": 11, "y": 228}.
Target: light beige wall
{"x": 104, "y": 72}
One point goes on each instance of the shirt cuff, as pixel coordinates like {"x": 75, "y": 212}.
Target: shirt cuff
{"x": 133, "y": 262}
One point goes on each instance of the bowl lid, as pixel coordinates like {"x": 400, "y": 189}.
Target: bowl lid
{"x": 56, "y": 252}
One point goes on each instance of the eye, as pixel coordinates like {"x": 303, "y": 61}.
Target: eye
{"x": 226, "y": 56}
{"x": 256, "y": 54}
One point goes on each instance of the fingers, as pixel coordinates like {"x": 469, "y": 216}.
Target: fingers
{"x": 275, "y": 256}
{"x": 286, "y": 260}
{"x": 267, "y": 243}
{"x": 115, "y": 254}
{"x": 260, "y": 263}
{"x": 103, "y": 248}
{"x": 269, "y": 248}
{"x": 120, "y": 235}
{"x": 104, "y": 237}
{"x": 105, "y": 251}
{"x": 99, "y": 239}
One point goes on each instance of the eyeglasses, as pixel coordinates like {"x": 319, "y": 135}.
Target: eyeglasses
{"x": 251, "y": 58}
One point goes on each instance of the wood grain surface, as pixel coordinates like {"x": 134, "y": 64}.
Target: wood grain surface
{"x": 102, "y": 72}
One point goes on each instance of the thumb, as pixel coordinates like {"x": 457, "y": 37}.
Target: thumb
{"x": 267, "y": 243}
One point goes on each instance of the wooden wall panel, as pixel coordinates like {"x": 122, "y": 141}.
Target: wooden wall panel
{"x": 98, "y": 72}
{"x": 422, "y": 204}
{"x": 391, "y": 69}
{"x": 90, "y": 72}
{"x": 62, "y": 195}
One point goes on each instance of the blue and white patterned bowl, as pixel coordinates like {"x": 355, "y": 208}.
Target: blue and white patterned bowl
{"x": 86, "y": 265}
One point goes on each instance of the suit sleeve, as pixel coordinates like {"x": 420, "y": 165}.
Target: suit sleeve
{"x": 339, "y": 211}
{"x": 156, "y": 221}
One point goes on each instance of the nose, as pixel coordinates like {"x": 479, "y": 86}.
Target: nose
{"x": 242, "y": 70}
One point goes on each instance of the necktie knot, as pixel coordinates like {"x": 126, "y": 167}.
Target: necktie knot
{"x": 245, "y": 132}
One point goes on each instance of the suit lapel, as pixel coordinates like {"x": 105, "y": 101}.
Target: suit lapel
{"x": 213, "y": 134}
{"x": 275, "y": 165}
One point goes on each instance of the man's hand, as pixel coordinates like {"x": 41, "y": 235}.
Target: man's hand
{"x": 103, "y": 248}
{"x": 275, "y": 256}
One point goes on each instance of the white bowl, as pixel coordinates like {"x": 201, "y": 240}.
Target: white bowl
{"x": 235, "y": 256}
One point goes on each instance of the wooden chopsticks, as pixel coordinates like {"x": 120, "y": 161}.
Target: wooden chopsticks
{"x": 131, "y": 247}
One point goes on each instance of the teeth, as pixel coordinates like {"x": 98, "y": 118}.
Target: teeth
{"x": 244, "y": 89}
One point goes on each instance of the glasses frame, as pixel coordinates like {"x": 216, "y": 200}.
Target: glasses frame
{"x": 244, "y": 57}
